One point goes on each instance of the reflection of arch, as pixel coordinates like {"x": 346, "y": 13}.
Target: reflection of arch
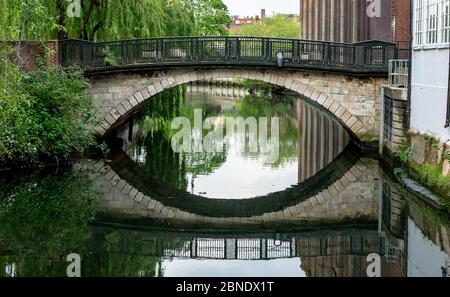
{"x": 122, "y": 110}
{"x": 318, "y": 188}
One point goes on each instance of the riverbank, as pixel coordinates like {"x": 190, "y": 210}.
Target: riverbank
{"x": 423, "y": 166}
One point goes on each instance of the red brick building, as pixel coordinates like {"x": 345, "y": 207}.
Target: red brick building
{"x": 237, "y": 22}
{"x": 355, "y": 20}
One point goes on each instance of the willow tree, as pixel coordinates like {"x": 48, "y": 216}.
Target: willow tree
{"x": 26, "y": 19}
{"x": 120, "y": 19}
{"x": 111, "y": 19}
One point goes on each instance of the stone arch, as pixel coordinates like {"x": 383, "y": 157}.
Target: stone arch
{"x": 137, "y": 204}
{"x": 280, "y": 78}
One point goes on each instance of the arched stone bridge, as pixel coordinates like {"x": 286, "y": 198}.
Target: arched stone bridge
{"x": 344, "y": 79}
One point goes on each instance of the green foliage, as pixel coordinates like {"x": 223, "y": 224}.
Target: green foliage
{"x": 110, "y": 58}
{"x": 211, "y": 17}
{"x": 404, "y": 155}
{"x": 26, "y": 19}
{"x": 111, "y": 19}
{"x": 431, "y": 175}
{"x": 276, "y": 26}
{"x": 44, "y": 114}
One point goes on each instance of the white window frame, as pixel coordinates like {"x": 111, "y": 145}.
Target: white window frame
{"x": 431, "y": 19}
{"x": 419, "y": 22}
{"x": 432, "y": 22}
{"x": 445, "y": 28}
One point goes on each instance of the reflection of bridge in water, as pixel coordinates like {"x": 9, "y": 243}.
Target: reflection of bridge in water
{"x": 239, "y": 246}
{"x": 327, "y": 252}
{"x": 333, "y": 185}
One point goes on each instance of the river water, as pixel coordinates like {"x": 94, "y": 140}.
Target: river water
{"x": 300, "y": 201}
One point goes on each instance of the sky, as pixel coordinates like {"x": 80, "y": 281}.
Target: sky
{"x": 245, "y": 8}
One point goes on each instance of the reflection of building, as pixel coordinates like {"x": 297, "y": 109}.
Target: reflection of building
{"x": 226, "y": 91}
{"x": 321, "y": 140}
{"x": 338, "y": 255}
{"x": 350, "y": 21}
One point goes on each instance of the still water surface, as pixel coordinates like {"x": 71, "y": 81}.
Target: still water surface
{"x": 149, "y": 211}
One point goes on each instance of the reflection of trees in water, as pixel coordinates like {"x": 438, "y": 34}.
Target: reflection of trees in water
{"x": 285, "y": 109}
{"x": 161, "y": 160}
{"x": 44, "y": 216}
{"x": 174, "y": 168}
{"x": 110, "y": 260}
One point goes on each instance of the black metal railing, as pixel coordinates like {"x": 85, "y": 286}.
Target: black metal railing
{"x": 363, "y": 57}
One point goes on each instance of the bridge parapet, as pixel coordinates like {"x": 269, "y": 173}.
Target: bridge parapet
{"x": 363, "y": 58}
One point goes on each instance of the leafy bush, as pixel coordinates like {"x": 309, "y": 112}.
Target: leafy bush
{"x": 45, "y": 114}
{"x": 404, "y": 155}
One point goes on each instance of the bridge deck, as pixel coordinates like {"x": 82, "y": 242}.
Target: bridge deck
{"x": 368, "y": 58}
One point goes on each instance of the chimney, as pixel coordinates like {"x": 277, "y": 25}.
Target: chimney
{"x": 263, "y": 14}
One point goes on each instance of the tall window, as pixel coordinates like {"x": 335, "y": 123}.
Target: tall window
{"x": 446, "y": 20}
{"x": 432, "y": 21}
{"x": 419, "y": 19}
{"x": 447, "y": 123}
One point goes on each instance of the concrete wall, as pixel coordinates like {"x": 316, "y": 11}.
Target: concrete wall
{"x": 430, "y": 68}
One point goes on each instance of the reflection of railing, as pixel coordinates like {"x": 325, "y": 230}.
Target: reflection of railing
{"x": 247, "y": 247}
{"x": 362, "y": 57}
{"x": 398, "y": 73}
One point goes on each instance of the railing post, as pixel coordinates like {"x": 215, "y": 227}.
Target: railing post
{"x": 197, "y": 49}
{"x": 163, "y": 49}
{"x": 92, "y": 58}
{"x": 227, "y": 48}
{"x": 192, "y": 48}
{"x": 126, "y": 57}
{"x": 263, "y": 50}
{"x": 325, "y": 53}
{"x": 238, "y": 49}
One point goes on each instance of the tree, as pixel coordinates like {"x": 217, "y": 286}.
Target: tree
{"x": 25, "y": 19}
{"x": 211, "y": 17}
{"x": 276, "y": 26}
{"x": 111, "y": 19}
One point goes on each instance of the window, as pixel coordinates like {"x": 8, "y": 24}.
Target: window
{"x": 446, "y": 20}
{"x": 432, "y": 22}
{"x": 447, "y": 123}
{"x": 419, "y": 22}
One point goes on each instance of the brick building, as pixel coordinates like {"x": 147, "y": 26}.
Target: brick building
{"x": 237, "y": 22}
{"x": 355, "y": 20}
